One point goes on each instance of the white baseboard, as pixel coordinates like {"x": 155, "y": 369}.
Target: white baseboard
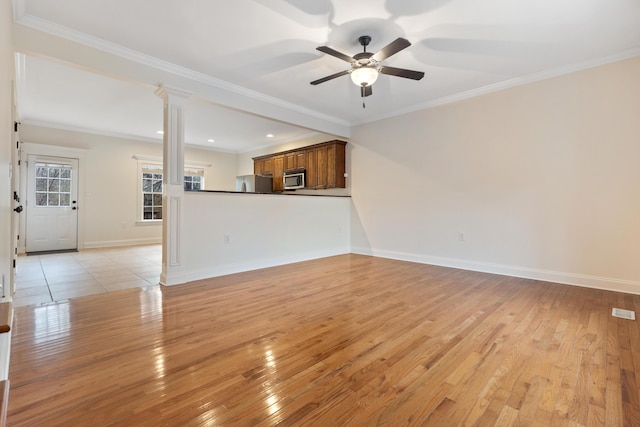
{"x": 240, "y": 267}
{"x": 127, "y": 242}
{"x": 605, "y": 283}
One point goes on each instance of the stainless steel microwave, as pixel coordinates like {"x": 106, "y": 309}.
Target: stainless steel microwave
{"x": 293, "y": 180}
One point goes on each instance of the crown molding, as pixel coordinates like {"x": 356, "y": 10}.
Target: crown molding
{"x": 88, "y": 131}
{"x": 19, "y": 9}
{"x": 153, "y": 140}
{"x": 22, "y": 17}
{"x": 507, "y": 84}
{"x": 156, "y": 159}
{"x": 81, "y": 38}
{"x": 284, "y": 141}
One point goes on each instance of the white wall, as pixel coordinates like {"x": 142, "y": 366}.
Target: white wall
{"x": 6, "y": 73}
{"x": 542, "y": 179}
{"x": 108, "y": 192}
{"x": 6, "y": 144}
{"x": 264, "y": 230}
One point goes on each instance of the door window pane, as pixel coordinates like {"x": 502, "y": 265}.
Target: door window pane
{"x": 41, "y": 199}
{"x": 53, "y": 185}
{"x": 41, "y": 184}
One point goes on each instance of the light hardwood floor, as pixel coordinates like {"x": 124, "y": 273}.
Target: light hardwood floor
{"x": 341, "y": 341}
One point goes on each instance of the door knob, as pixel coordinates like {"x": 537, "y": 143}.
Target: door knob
{"x": 19, "y": 209}
{"x": 74, "y": 208}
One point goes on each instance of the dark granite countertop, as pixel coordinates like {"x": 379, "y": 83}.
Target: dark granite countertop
{"x": 284, "y": 193}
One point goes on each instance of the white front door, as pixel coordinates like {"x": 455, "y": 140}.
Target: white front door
{"x": 52, "y": 204}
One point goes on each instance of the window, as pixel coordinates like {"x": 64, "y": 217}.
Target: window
{"x": 151, "y": 175}
{"x": 193, "y": 179}
{"x": 53, "y": 184}
{"x": 151, "y": 192}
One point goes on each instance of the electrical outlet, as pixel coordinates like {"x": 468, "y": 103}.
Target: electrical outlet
{"x": 461, "y": 236}
{"x": 227, "y": 239}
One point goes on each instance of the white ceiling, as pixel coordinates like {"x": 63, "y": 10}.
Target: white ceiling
{"x": 264, "y": 50}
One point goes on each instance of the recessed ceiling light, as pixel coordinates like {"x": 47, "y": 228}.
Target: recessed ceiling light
{"x": 270, "y": 135}
{"x": 211, "y": 140}
{"x": 160, "y": 132}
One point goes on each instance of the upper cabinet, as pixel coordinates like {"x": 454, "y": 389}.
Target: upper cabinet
{"x": 324, "y": 165}
{"x": 294, "y": 161}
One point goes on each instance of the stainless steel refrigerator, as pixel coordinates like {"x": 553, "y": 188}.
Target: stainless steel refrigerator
{"x": 254, "y": 184}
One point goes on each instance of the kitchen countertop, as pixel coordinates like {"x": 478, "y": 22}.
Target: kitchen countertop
{"x": 284, "y": 193}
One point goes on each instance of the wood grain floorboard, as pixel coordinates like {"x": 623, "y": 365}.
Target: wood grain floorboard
{"x": 341, "y": 341}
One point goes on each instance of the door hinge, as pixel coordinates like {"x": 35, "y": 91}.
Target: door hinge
{"x": 14, "y": 263}
{"x": 15, "y": 126}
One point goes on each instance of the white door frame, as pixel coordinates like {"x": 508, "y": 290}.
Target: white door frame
{"x": 55, "y": 151}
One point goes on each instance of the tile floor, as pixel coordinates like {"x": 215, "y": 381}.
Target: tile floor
{"x": 43, "y": 279}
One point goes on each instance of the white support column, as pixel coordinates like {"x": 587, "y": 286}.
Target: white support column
{"x": 172, "y": 185}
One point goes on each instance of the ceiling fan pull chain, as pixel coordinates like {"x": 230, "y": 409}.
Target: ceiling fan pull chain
{"x": 362, "y": 95}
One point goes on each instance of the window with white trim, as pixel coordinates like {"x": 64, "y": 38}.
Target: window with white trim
{"x": 150, "y": 182}
{"x": 151, "y": 192}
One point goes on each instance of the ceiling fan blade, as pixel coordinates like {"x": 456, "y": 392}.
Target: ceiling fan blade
{"x": 391, "y": 49}
{"x": 331, "y": 77}
{"x": 401, "y": 72}
{"x": 333, "y": 52}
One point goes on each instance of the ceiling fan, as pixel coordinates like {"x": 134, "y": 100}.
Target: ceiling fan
{"x": 365, "y": 66}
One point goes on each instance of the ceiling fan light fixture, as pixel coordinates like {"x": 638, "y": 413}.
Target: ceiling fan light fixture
{"x": 364, "y": 76}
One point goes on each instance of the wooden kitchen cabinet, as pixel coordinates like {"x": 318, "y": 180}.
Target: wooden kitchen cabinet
{"x": 268, "y": 166}
{"x": 311, "y": 168}
{"x": 263, "y": 166}
{"x": 324, "y": 165}
{"x": 321, "y": 167}
{"x": 335, "y": 165}
{"x": 330, "y": 166}
{"x": 258, "y": 167}
{"x": 278, "y": 172}
{"x": 294, "y": 161}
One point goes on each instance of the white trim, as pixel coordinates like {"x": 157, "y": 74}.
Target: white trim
{"x": 149, "y": 222}
{"x": 127, "y": 242}
{"x": 127, "y": 136}
{"x": 22, "y": 18}
{"x": 53, "y": 150}
{"x": 5, "y": 352}
{"x": 56, "y": 151}
{"x": 20, "y": 63}
{"x": 587, "y": 281}
{"x": 507, "y": 84}
{"x": 88, "y": 131}
{"x": 308, "y": 135}
{"x": 19, "y": 9}
{"x": 133, "y": 55}
{"x": 155, "y": 159}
